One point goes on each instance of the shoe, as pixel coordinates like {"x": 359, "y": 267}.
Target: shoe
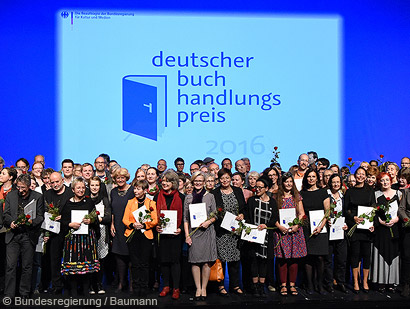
{"x": 391, "y": 289}
{"x": 309, "y": 291}
{"x": 197, "y": 297}
{"x": 321, "y": 291}
{"x": 91, "y": 291}
{"x": 330, "y": 289}
{"x": 367, "y": 291}
{"x": 255, "y": 290}
{"x": 175, "y": 294}
{"x": 222, "y": 292}
{"x": 283, "y": 290}
{"x": 342, "y": 288}
{"x": 203, "y": 298}
{"x": 261, "y": 289}
{"x": 164, "y": 291}
{"x": 36, "y": 291}
{"x": 238, "y": 291}
{"x": 293, "y": 290}
{"x": 356, "y": 291}
{"x": 271, "y": 288}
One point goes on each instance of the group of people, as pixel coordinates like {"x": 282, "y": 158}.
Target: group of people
{"x": 85, "y": 226}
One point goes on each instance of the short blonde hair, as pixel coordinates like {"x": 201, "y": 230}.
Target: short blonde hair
{"x": 121, "y": 172}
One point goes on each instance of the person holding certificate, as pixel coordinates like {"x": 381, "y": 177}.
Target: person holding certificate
{"x": 102, "y": 205}
{"x": 360, "y": 243}
{"x": 337, "y": 247}
{"x": 385, "y": 253}
{"x": 170, "y": 246}
{"x": 202, "y": 251}
{"x": 317, "y": 242}
{"x": 263, "y": 212}
{"x": 80, "y": 244}
{"x": 230, "y": 199}
{"x": 140, "y": 245}
{"x": 289, "y": 243}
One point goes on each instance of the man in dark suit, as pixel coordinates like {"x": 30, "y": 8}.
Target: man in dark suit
{"x": 21, "y": 239}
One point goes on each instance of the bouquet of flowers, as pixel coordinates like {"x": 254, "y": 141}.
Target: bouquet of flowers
{"x": 22, "y": 220}
{"x": 53, "y": 211}
{"x": 93, "y": 215}
{"x": 141, "y": 219}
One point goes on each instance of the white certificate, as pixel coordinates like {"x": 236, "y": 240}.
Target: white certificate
{"x": 30, "y": 209}
{"x": 197, "y": 214}
{"x": 50, "y": 225}
{"x": 255, "y": 235}
{"x": 315, "y": 216}
{"x": 394, "y": 207}
{"x": 287, "y": 215}
{"x": 364, "y": 210}
{"x": 336, "y": 229}
{"x": 171, "y": 226}
{"x": 139, "y": 214}
{"x": 40, "y": 244}
{"x": 78, "y": 216}
{"x": 229, "y": 222}
{"x": 100, "y": 208}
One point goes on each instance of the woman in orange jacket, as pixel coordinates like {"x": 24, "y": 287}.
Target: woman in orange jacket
{"x": 139, "y": 235}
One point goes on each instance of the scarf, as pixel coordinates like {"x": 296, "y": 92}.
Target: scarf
{"x": 3, "y": 195}
{"x": 176, "y": 204}
{"x": 197, "y": 196}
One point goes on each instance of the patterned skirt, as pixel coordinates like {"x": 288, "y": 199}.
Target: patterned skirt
{"x": 290, "y": 245}
{"x": 80, "y": 254}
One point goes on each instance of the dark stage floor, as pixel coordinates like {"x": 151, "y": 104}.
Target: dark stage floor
{"x": 337, "y": 299}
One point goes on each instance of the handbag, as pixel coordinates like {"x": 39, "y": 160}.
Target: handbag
{"x": 217, "y": 273}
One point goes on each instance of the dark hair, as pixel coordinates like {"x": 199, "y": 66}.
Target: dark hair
{"x": 12, "y": 172}
{"x": 345, "y": 169}
{"x": 224, "y": 171}
{"x": 294, "y": 191}
{"x": 67, "y": 161}
{"x": 266, "y": 181}
{"x": 179, "y": 159}
{"x": 314, "y": 154}
{"x": 155, "y": 169}
{"x": 305, "y": 184}
{"x": 140, "y": 183}
{"x": 405, "y": 173}
{"x": 377, "y": 163}
{"x": 47, "y": 171}
{"x": 324, "y": 161}
{"x": 24, "y": 161}
{"x": 198, "y": 162}
{"x": 226, "y": 160}
{"x": 329, "y": 183}
{"x": 181, "y": 176}
{"x": 112, "y": 161}
{"x": 24, "y": 178}
{"x": 360, "y": 168}
{"x": 240, "y": 174}
{"x": 106, "y": 157}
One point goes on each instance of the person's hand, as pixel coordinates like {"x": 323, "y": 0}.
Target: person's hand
{"x": 46, "y": 239}
{"x": 205, "y": 224}
{"x": 138, "y": 225}
{"x": 30, "y": 221}
{"x": 99, "y": 219}
{"x": 262, "y": 227}
{"x": 188, "y": 240}
{"x": 283, "y": 229}
{"x": 159, "y": 229}
{"x": 13, "y": 225}
{"x": 239, "y": 217}
{"x": 294, "y": 228}
{"x": 345, "y": 227}
{"x": 75, "y": 225}
{"x": 87, "y": 221}
{"x": 382, "y": 222}
{"x": 178, "y": 231}
{"x": 392, "y": 222}
{"x": 58, "y": 218}
{"x": 371, "y": 229}
{"x": 317, "y": 230}
{"x": 112, "y": 230}
{"x": 358, "y": 220}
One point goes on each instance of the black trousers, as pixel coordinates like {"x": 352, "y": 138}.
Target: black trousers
{"x": 51, "y": 266}
{"x": 233, "y": 270}
{"x": 338, "y": 249}
{"x": 406, "y": 256}
{"x": 259, "y": 267}
{"x": 139, "y": 252}
{"x": 19, "y": 246}
{"x": 360, "y": 249}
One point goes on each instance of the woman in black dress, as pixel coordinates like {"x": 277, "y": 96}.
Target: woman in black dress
{"x": 317, "y": 243}
{"x": 360, "y": 243}
{"x": 119, "y": 199}
{"x": 170, "y": 246}
{"x": 230, "y": 199}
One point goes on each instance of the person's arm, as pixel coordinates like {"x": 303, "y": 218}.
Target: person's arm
{"x": 106, "y": 219}
{"x": 129, "y": 223}
{"x": 403, "y": 207}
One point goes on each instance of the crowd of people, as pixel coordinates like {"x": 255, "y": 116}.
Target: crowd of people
{"x": 88, "y": 226}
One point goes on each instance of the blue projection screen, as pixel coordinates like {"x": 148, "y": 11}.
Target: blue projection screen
{"x": 148, "y": 86}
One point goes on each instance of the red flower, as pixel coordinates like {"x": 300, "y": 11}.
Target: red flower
{"x": 98, "y": 213}
{"x": 378, "y": 207}
{"x": 87, "y": 196}
{"x": 28, "y": 217}
{"x": 106, "y": 178}
{"x": 151, "y": 209}
{"x": 406, "y": 219}
{"x": 349, "y": 159}
{"x": 381, "y": 156}
{"x": 220, "y": 209}
{"x": 233, "y": 229}
{"x": 51, "y": 205}
{"x": 335, "y": 212}
{"x": 334, "y": 203}
{"x": 276, "y": 147}
{"x": 304, "y": 217}
{"x": 388, "y": 198}
{"x": 24, "y": 172}
{"x": 162, "y": 215}
{"x": 12, "y": 166}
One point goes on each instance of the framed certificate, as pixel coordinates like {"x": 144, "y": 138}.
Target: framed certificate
{"x": 286, "y": 215}
{"x": 171, "y": 226}
{"x": 315, "y": 216}
{"x": 255, "y": 235}
{"x": 197, "y": 214}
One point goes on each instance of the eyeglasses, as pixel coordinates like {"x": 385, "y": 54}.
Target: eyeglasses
{"x": 259, "y": 188}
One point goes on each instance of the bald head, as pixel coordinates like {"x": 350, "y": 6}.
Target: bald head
{"x": 303, "y": 162}
{"x": 56, "y": 182}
